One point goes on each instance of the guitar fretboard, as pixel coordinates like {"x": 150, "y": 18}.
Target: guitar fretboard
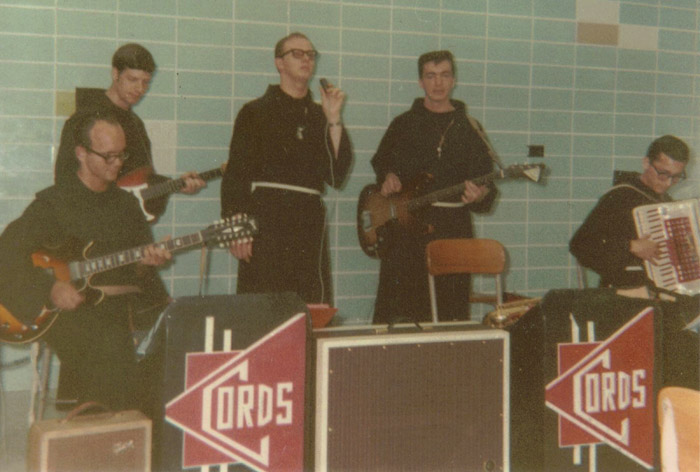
{"x": 88, "y": 267}
{"x": 172, "y": 186}
{"x": 441, "y": 194}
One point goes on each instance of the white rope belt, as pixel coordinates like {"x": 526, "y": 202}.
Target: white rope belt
{"x": 448, "y": 204}
{"x": 293, "y": 188}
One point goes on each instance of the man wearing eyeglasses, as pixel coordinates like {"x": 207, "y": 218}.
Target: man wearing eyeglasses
{"x": 285, "y": 149}
{"x": 133, "y": 67}
{"x": 87, "y": 208}
{"x": 607, "y": 241}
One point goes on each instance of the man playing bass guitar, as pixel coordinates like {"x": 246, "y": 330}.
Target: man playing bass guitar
{"x": 95, "y": 339}
{"x": 434, "y": 137}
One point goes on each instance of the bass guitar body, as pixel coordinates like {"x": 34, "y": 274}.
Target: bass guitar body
{"x": 374, "y": 211}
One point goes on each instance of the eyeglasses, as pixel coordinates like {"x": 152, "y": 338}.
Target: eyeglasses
{"x": 663, "y": 175}
{"x": 312, "y": 54}
{"x": 110, "y": 158}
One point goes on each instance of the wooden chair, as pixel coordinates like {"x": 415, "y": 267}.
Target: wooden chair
{"x": 466, "y": 256}
{"x": 679, "y": 424}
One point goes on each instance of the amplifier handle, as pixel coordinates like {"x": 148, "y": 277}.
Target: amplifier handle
{"x": 84, "y": 407}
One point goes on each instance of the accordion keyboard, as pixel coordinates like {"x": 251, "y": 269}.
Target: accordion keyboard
{"x": 675, "y": 226}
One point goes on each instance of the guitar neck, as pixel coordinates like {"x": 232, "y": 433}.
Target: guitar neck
{"x": 441, "y": 194}
{"x": 86, "y": 268}
{"x": 174, "y": 185}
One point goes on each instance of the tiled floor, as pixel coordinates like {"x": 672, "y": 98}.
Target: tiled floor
{"x": 14, "y": 428}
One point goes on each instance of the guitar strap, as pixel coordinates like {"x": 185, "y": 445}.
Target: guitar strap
{"x": 492, "y": 154}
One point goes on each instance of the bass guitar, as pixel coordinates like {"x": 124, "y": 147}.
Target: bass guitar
{"x": 152, "y": 190}
{"x": 374, "y": 210}
{"x": 24, "y": 318}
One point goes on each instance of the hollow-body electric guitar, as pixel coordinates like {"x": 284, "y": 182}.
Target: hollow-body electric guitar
{"x": 25, "y": 317}
{"x": 374, "y": 210}
{"x": 152, "y": 191}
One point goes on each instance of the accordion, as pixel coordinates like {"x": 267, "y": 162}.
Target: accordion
{"x": 675, "y": 226}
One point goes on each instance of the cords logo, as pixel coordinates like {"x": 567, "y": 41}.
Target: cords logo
{"x": 604, "y": 391}
{"x": 246, "y": 406}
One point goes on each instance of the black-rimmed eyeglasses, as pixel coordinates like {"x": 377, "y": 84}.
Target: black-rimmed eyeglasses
{"x": 110, "y": 158}
{"x": 663, "y": 175}
{"x": 312, "y": 54}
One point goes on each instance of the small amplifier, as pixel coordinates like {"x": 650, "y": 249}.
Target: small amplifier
{"x": 113, "y": 441}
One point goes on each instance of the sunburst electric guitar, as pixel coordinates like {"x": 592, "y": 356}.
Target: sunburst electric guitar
{"x": 25, "y": 317}
{"x": 374, "y": 210}
{"x": 152, "y": 191}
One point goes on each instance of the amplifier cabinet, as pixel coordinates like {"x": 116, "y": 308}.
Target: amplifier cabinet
{"x": 434, "y": 398}
{"x": 115, "y": 442}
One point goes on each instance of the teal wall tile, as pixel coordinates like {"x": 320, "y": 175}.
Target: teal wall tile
{"x": 203, "y": 135}
{"x": 559, "y": 54}
{"x": 360, "y": 90}
{"x": 84, "y": 50}
{"x": 84, "y": 23}
{"x": 20, "y": 102}
{"x": 547, "y": 279}
{"x": 511, "y": 120}
{"x": 680, "y": 126}
{"x": 508, "y": 97}
{"x": 508, "y": 51}
{"x": 550, "y": 76}
{"x": 204, "y": 109}
{"x": 366, "y": 17}
{"x": 508, "y": 74}
{"x": 153, "y": 7}
{"x": 636, "y": 60}
{"x": 591, "y": 145}
{"x": 675, "y": 84}
{"x": 142, "y": 27}
{"x": 417, "y": 21}
{"x": 593, "y": 122}
{"x": 631, "y": 145}
{"x": 26, "y": 20}
{"x": 594, "y": 101}
{"x": 634, "y": 124}
{"x": 554, "y": 9}
{"x": 549, "y": 233}
{"x": 195, "y": 31}
{"x": 479, "y": 6}
{"x": 630, "y": 102}
{"x": 108, "y": 5}
{"x": 314, "y": 13}
{"x": 220, "y": 9}
{"x": 365, "y": 114}
{"x": 154, "y": 107}
{"x": 677, "y": 40}
{"x": 595, "y": 56}
{"x": 35, "y": 157}
{"x": 643, "y": 15}
{"x": 550, "y": 256}
{"x": 544, "y": 211}
{"x": 255, "y": 10}
{"x": 550, "y": 121}
{"x": 33, "y": 76}
{"x": 26, "y": 48}
{"x": 366, "y": 42}
{"x": 552, "y": 99}
{"x": 26, "y": 130}
{"x": 254, "y": 60}
{"x": 593, "y": 79}
{"x": 464, "y": 24}
{"x": 509, "y": 27}
{"x": 413, "y": 45}
{"x": 683, "y": 63}
{"x": 366, "y": 66}
{"x": 204, "y": 58}
{"x": 465, "y": 48}
{"x": 553, "y": 30}
{"x": 676, "y": 19}
{"x": 258, "y": 35}
{"x": 584, "y": 166}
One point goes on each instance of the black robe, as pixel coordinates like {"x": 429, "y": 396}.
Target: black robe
{"x": 409, "y": 149}
{"x": 283, "y": 140}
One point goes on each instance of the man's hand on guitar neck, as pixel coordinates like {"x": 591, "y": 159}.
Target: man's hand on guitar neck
{"x": 65, "y": 296}
{"x": 392, "y": 184}
{"x": 193, "y": 183}
{"x": 474, "y": 193}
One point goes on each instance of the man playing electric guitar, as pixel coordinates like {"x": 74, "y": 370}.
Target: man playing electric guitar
{"x": 95, "y": 340}
{"x": 133, "y": 67}
{"x": 434, "y": 137}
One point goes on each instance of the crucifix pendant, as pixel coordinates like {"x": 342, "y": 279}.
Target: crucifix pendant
{"x": 439, "y": 150}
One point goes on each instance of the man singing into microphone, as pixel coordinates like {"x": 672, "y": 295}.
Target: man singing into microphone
{"x": 284, "y": 148}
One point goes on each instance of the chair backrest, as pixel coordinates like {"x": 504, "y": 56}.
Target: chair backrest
{"x": 679, "y": 424}
{"x": 465, "y": 256}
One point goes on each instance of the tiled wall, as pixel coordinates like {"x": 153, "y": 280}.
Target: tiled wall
{"x": 594, "y": 81}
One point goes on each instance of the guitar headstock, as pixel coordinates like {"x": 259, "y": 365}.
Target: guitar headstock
{"x": 532, "y": 172}
{"x": 237, "y": 228}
